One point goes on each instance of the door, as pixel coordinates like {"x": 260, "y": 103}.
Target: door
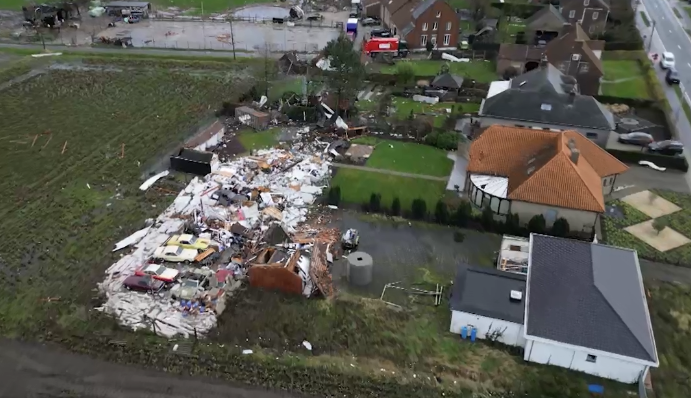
{"x": 550, "y": 217}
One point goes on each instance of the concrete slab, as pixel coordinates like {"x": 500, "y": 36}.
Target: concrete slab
{"x": 458, "y": 172}
{"x": 650, "y": 204}
{"x": 667, "y": 239}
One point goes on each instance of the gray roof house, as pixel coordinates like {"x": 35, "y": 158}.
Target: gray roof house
{"x": 586, "y": 309}
{"x": 547, "y": 99}
{"x": 447, "y": 81}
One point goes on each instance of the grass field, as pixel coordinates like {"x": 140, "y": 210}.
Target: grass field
{"x": 624, "y": 78}
{"x": 482, "y": 71}
{"x": 357, "y": 186}
{"x": 251, "y": 139}
{"x": 407, "y": 157}
{"x": 77, "y": 144}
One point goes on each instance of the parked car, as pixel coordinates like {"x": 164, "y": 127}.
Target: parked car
{"x": 145, "y": 284}
{"x": 667, "y": 60}
{"x": 380, "y": 33}
{"x": 668, "y": 147}
{"x": 672, "y": 76}
{"x": 369, "y": 21}
{"x": 636, "y": 138}
{"x": 159, "y": 272}
{"x": 175, "y": 254}
{"x": 189, "y": 241}
{"x": 190, "y": 287}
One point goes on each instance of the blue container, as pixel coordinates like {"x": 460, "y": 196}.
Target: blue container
{"x": 464, "y": 332}
{"x": 473, "y": 334}
{"x": 596, "y": 389}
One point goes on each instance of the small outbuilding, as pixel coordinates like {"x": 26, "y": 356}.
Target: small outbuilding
{"x": 192, "y": 161}
{"x": 489, "y": 301}
{"x": 256, "y": 119}
{"x": 447, "y": 81}
{"x": 140, "y": 9}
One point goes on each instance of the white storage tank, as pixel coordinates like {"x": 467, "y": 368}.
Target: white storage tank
{"x": 360, "y": 268}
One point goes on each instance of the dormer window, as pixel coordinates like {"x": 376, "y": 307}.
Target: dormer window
{"x": 546, "y": 107}
{"x": 576, "y": 57}
{"x": 438, "y": 14}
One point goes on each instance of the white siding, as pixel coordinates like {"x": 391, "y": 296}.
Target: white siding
{"x": 512, "y": 333}
{"x": 579, "y": 220}
{"x": 575, "y": 359}
{"x": 608, "y": 185}
{"x": 213, "y": 141}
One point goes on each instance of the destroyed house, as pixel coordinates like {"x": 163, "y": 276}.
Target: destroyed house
{"x": 192, "y": 161}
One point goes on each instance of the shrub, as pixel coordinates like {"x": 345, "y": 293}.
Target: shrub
{"x": 396, "y": 207}
{"x": 512, "y": 225}
{"x": 419, "y": 209}
{"x": 405, "y": 74}
{"x": 537, "y": 224}
{"x": 487, "y": 218}
{"x": 375, "y": 203}
{"x": 510, "y": 73}
{"x": 560, "y": 228}
{"x": 334, "y": 196}
{"x": 429, "y": 46}
{"x": 659, "y": 224}
{"x": 458, "y": 236}
{"x": 462, "y": 214}
{"x": 441, "y": 213}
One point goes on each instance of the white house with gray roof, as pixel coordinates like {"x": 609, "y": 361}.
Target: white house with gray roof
{"x": 546, "y": 99}
{"x": 586, "y": 309}
{"x": 581, "y": 306}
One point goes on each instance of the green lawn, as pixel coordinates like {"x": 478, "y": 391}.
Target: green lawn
{"x": 404, "y": 106}
{"x": 407, "y": 157}
{"x": 283, "y": 86}
{"x": 688, "y": 10}
{"x": 251, "y": 139}
{"x": 15, "y": 5}
{"x": 357, "y": 186}
{"x": 613, "y": 84}
{"x": 614, "y": 233}
{"x": 676, "y": 12}
{"x": 210, "y": 6}
{"x": 482, "y": 71}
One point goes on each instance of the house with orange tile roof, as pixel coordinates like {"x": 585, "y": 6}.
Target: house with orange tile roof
{"x": 529, "y": 172}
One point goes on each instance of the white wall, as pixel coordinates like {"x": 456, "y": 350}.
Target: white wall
{"x": 608, "y": 185}
{"x": 575, "y": 359}
{"x": 579, "y": 220}
{"x": 512, "y": 332}
{"x": 212, "y": 141}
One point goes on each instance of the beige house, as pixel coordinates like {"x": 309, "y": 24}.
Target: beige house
{"x": 529, "y": 172}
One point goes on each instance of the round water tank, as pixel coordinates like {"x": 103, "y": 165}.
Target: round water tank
{"x": 360, "y": 268}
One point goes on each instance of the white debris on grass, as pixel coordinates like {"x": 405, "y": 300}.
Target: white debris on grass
{"x": 294, "y": 181}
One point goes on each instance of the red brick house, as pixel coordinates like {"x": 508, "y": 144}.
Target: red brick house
{"x": 420, "y": 22}
{"x": 591, "y": 14}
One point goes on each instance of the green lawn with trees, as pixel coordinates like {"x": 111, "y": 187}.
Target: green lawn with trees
{"x": 407, "y": 157}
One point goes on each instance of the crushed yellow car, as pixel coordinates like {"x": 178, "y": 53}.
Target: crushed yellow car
{"x": 189, "y": 241}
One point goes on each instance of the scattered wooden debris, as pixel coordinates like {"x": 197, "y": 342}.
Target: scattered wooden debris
{"x": 63, "y": 148}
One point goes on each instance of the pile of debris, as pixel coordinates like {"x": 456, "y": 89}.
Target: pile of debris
{"x": 252, "y": 212}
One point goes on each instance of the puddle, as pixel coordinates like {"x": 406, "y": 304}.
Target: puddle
{"x": 261, "y": 12}
{"x": 401, "y": 252}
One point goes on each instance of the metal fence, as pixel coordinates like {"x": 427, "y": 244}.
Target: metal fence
{"x": 319, "y": 23}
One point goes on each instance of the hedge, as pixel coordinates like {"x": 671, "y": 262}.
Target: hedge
{"x": 671, "y": 162}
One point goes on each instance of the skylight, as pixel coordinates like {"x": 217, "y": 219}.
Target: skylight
{"x": 523, "y": 83}
{"x": 546, "y": 107}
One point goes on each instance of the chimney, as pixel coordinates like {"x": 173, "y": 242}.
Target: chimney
{"x": 572, "y": 96}
{"x": 575, "y": 153}
{"x": 544, "y": 62}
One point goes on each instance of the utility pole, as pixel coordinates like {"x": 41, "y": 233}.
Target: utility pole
{"x": 650, "y": 43}
{"x": 232, "y": 36}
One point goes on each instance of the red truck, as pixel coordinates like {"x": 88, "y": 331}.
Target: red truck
{"x": 390, "y": 45}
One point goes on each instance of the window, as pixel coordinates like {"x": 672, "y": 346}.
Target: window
{"x": 435, "y": 26}
{"x": 438, "y": 14}
{"x": 576, "y": 57}
{"x": 424, "y": 27}
{"x": 572, "y": 14}
{"x": 447, "y": 40}
{"x": 595, "y": 15}
{"x": 605, "y": 182}
{"x": 591, "y": 29}
{"x": 586, "y": 3}
{"x": 591, "y": 135}
{"x": 591, "y": 358}
{"x": 546, "y": 107}
{"x": 434, "y": 40}
{"x": 423, "y": 40}
{"x": 585, "y": 67}
{"x": 448, "y": 26}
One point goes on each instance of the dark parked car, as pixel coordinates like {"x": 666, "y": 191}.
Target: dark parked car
{"x": 143, "y": 284}
{"x": 672, "y": 76}
{"x": 369, "y": 21}
{"x": 381, "y": 33}
{"x": 671, "y": 148}
{"x": 637, "y": 138}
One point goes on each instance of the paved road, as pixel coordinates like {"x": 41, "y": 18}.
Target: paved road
{"x": 140, "y": 51}
{"x": 35, "y": 370}
{"x": 669, "y": 35}
{"x": 389, "y": 172}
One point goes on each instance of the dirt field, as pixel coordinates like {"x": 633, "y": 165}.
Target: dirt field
{"x": 33, "y": 370}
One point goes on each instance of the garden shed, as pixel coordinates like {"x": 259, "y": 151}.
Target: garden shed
{"x": 256, "y": 119}
{"x": 447, "y": 81}
{"x": 192, "y": 161}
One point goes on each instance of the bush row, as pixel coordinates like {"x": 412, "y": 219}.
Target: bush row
{"x": 461, "y": 216}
